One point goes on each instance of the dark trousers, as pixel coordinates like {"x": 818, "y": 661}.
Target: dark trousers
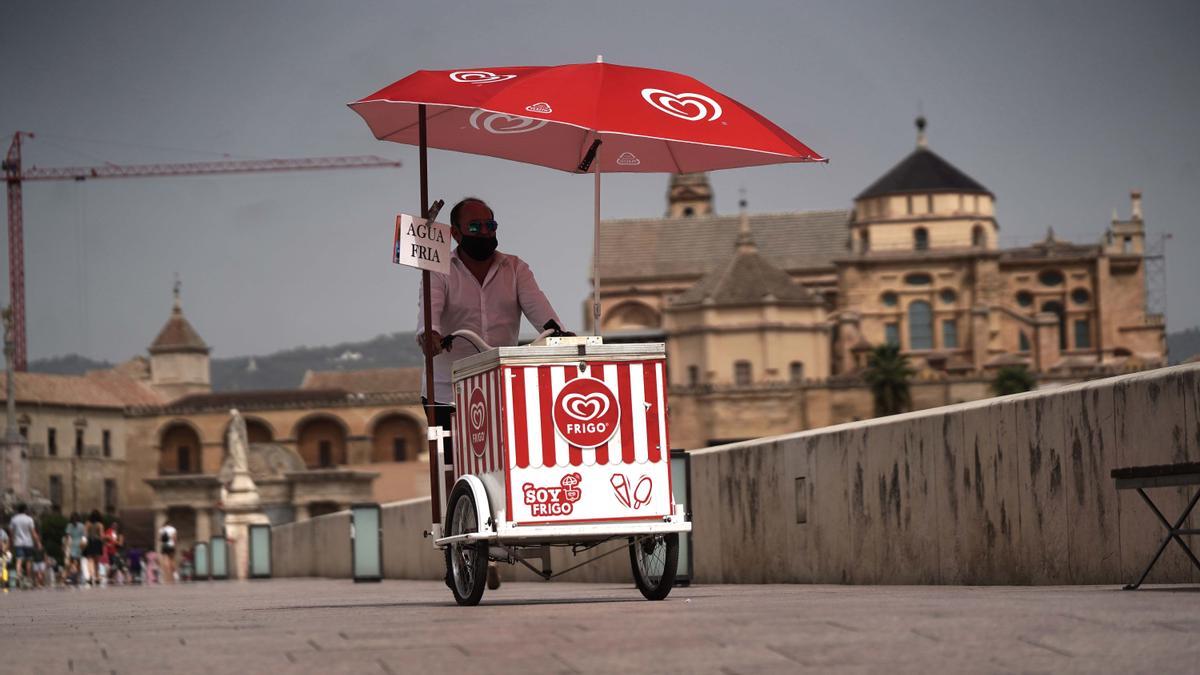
{"x": 443, "y": 413}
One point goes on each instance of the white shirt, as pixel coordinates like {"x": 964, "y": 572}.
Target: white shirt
{"x": 22, "y": 528}
{"x": 493, "y": 310}
{"x": 168, "y": 530}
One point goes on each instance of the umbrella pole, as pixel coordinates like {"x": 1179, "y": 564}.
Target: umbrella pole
{"x": 596, "y": 259}
{"x": 427, "y": 311}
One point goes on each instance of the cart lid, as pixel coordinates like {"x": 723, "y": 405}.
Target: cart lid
{"x": 531, "y": 355}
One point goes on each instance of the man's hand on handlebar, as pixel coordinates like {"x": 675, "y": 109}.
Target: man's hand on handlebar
{"x": 556, "y": 331}
{"x": 431, "y": 345}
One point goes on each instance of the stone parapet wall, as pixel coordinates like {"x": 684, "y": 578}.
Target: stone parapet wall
{"x": 1011, "y": 490}
{"x": 318, "y": 547}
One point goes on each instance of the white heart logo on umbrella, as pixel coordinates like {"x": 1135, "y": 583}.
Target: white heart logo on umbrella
{"x": 478, "y": 77}
{"x": 687, "y": 106}
{"x": 499, "y": 123}
{"x": 585, "y": 407}
{"x": 478, "y": 414}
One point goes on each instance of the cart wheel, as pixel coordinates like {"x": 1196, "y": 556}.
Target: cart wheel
{"x": 466, "y": 563}
{"x": 654, "y": 560}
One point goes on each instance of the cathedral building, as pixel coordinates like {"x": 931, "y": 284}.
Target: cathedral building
{"x": 768, "y": 318}
{"x": 146, "y": 441}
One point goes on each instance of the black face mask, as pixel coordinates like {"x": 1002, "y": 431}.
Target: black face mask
{"x": 479, "y": 248}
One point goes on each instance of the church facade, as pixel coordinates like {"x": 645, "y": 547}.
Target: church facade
{"x": 768, "y": 318}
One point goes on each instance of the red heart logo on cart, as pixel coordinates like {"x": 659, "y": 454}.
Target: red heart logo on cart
{"x": 585, "y": 407}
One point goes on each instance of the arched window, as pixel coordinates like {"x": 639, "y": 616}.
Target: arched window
{"x": 1055, "y": 307}
{"x": 631, "y": 315}
{"x": 920, "y": 325}
{"x": 395, "y": 438}
{"x": 742, "y": 373}
{"x": 180, "y": 451}
{"x": 920, "y": 239}
{"x": 1050, "y": 277}
{"x": 978, "y": 237}
{"x": 693, "y": 376}
{"x": 796, "y": 372}
{"x": 321, "y": 441}
{"x": 865, "y": 238}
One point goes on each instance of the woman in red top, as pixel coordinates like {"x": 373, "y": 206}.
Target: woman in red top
{"x": 113, "y": 542}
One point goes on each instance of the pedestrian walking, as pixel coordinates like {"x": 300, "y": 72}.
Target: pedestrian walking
{"x": 94, "y": 548}
{"x": 73, "y": 543}
{"x": 25, "y": 538}
{"x": 114, "y": 545}
{"x": 167, "y": 538}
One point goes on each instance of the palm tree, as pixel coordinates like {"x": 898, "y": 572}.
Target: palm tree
{"x": 888, "y": 373}
{"x": 1013, "y": 380}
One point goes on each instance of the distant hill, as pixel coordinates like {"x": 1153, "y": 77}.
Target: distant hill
{"x": 280, "y": 370}
{"x": 285, "y": 369}
{"x": 71, "y": 364}
{"x": 1183, "y": 344}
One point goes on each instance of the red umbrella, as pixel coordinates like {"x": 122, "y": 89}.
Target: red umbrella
{"x": 646, "y": 120}
{"x": 584, "y": 118}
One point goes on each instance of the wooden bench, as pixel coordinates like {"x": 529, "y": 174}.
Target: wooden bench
{"x": 1141, "y": 478}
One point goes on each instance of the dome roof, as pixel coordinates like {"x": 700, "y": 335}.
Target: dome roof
{"x": 177, "y": 335}
{"x": 923, "y": 171}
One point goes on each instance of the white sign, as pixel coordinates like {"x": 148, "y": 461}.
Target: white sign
{"x": 421, "y": 244}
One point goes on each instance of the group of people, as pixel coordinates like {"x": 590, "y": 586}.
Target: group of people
{"x": 93, "y": 554}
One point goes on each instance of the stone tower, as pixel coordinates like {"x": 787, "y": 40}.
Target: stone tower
{"x": 179, "y": 363}
{"x": 923, "y": 203}
{"x": 689, "y": 195}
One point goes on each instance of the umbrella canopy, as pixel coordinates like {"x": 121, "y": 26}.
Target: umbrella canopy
{"x": 646, "y": 120}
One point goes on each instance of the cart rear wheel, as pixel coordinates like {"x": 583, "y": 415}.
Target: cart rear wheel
{"x": 466, "y": 563}
{"x": 654, "y": 560}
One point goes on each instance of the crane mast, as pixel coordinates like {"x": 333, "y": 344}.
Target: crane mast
{"x": 15, "y": 174}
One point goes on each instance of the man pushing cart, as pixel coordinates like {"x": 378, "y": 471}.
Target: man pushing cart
{"x": 563, "y": 442}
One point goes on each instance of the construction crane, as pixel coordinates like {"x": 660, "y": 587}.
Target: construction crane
{"x": 15, "y": 174}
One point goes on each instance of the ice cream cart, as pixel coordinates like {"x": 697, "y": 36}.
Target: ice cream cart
{"x": 560, "y": 443}
{"x": 565, "y": 441}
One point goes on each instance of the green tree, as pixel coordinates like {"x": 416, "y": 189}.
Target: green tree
{"x": 52, "y": 528}
{"x": 1013, "y": 380}
{"x": 888, "y": 373}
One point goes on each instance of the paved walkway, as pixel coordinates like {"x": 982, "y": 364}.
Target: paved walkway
{"x": 332, "y": 626}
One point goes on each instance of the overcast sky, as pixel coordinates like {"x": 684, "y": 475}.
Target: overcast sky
{"x": 1059, "y": 108}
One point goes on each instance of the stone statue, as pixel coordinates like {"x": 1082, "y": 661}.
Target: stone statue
{"x": 241, "y": 488}
{"x": 240, "y": 500}
{"x": 238, "y": 443}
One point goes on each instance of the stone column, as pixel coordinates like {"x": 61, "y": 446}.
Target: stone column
{"x": 160, "y": 519}
{"x": 979, "y": 336}
{"x": 203, "y": 523}
{"x": 301, "y": 512}
{"x": 1046, "y": 340}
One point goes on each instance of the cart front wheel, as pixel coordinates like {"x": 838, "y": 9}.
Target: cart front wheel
{"x": 654, "y": 560}
{"x": 466, "y": 562}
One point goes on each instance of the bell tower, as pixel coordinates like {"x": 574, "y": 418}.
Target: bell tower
{"x": 179, "y": 362}
{"x": 689, "y": 195}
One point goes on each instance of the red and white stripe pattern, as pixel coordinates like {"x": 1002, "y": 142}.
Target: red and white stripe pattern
{"x": 532, "y": 442}
{"x": 466, "y": 460}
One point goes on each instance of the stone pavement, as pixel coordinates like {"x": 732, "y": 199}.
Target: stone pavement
{"x": 334, "y": 626}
